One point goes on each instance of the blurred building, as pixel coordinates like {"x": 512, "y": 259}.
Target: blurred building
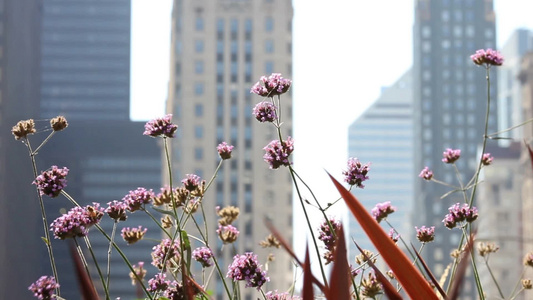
{"x": 450, "y": 105}
{"x": 219, "y": 50}
{"x": 383, "y": 135}
{"x": 500, "y": 221}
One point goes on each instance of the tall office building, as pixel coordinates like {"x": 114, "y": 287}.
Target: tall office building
{"x": 450, "y": 104}
{"x": 219, "y": 50}
{"x": 383, "y": 135}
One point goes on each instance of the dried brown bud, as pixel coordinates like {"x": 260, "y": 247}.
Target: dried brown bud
{"x": 59, "y": 123}
{"x": 455, "y": 253}
{"x": 228, "y": 215}
{"x": 270, "y": 241}
{"x": 164, "y": 197}
{"x": 23, "y": 128}
{"x": 361, "y": 259}
{"x": 528, "y": 259}
{"x": 166, "y": 221}
{"x": 200, "y": 190}
{"x": 133, "y": 235}
{"x": 526, "y": 284}
{"x": 370, "y": 287}
{"x": 271, "y": 257}
{"x": 485, "y": 249}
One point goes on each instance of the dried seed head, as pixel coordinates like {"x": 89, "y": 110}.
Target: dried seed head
{"x": 361, "y": 259}
{"x": 133, "y": 235}
{"x": 59, "y": 123}
{"x": 526, "y": 284}
{"x": 23, "y": 128}
{"x": 167, "y": 222}
{"x": 228, "y": 215}
{"x": 485, "y": 249}
{"x": 370, "y": 286}
{"x": 270, "y": 241}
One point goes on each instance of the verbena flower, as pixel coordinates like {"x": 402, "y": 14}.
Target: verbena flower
{"x": 425, "y": 234}
{"x": 370, "y": 286}
{"x": 227, "y": 215}
{"x": 159, "y": 252}
{"x": 160, "y": 127}
{"x": 191, "y": 182}
{"x": 117, "y": 210}
{"x": 58, "y": 123}
{"x": 44, "y": 288}
{"x": 76, "y": 222}
{"x": 265, "y": 112}
{"x": 486, "y": 159}
{"x": 487, "y": 57}
{"x": 271, "y": 86}
{"x": 329, "y": 238}
{"x": 158, "y": 283}
{"x": 484, "y": 249}
{"x": 224, "y": 150}
{"x": 528, "y": 259}
{"x": 451, "y": 155}
{"x": 277, "y": 154}
{"x": 246, "y": 267}
{"x": 51, "y": 182}
{"x": 23, "y": 128}
{"x": 426, "y": 173}
{"x": 133, "y": 235}
{"x": 270, "y": 242}
{"x": 139, "y": 271}
{"x": 460, "y": 213}
{"x": 228, "y": 234}
{"x": 394, "y": 236}
{"x": 204, "y": 256}
{"x": 136, "y": 199}
{"x": 382, "y": 210}
{"x": 275, "y": 295}
{"x": 363, "y": 258}
{"x": 165, "y": 197}
{"x": 526, "y": 284}
{"x": 356, "y": 173}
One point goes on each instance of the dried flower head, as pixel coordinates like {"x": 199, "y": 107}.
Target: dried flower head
{"x": 528, "y": 259}
{"x": 484, "y": 249}
{"x": 274, "y": 85}
{"x": 58, "y": 123}
{"x": 165, "y": 197}
{"x": 486, "y": 159}
{"x": 391, "y": 275}
{"x": 228, "y": 234}
{"x": 356, "y": 173}
{"x": 456, "y": 253}
{"x": 363, "y": 258}
{"x": 168, "y": 252}
{"x": 227, "y": 215}
{"x": 246, "y": 267}
{"x": 158, "y": 283}
{"x": 270, "y": 242}
{"x": 51, "y": 182}
{"x": 370, "y": 286}
{"x": 487, "y": 57}
{"x": 426, "y": 173}
{"x": 133, "y": 235}
{"x": 382, "y": 210}
{"x": 44, "y": 288}
{"x": 451, "y": 155}
{"x": 265, "y": 112}
{"x": 425, "y": 234}
{"x": 277, "y": 154}
{"x": 224, "y": 150}
{"x": 23, "y": 128}
{"x": 526, "y": 284}
{"x": 117, "y": 210}
{"x": 139, "y": 272}
{"x": 166, "y": 221}
{"x": 192, "y": 205}
{"x": 160, "y": 127}
{"x": 136, "y": 199}
{"x": 204, "y": 256}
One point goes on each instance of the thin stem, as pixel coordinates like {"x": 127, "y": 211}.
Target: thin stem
{"x": 460, "y": 180}
{"x": 109, "y": 252}
{"x": 82, "y": 257}
{"x": 474, "y": 267}
{"x": 88, "y": 243}
{"x": 155, "y": 221}
{"x": 169, "y": 165}
{"x": 44, "y": 142}
{"x": 509, "y": 129}
{"x": 493, "y": 278}
{"x": 518, "y": 283}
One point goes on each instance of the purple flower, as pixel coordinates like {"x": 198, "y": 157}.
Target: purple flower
{"x": 425, "y": 234}
{"x": 271, "y": 86}
{"x": 139, "y": 274}
{"x": 382, "y": 210}
{"x": 329, "y": 237}
{"x": 117, "y": 210}
{"x": 191, "y": 182}
{"x": 133, "y": 235}
{"x": 224, "y": 150}
{"x": 460, "y": 213}
{"x": 166, "y": 249}
{"x": 451, "y": 155}
{"x": 76, "y": 222}
{"x": 528, "y": 259}
{"x": 51, "y": 182}
{"x": 228, "y": 234}
{"x": 204, "y": 256}
{"x": 277, "y": 154}
{"x": 265, "y": 112}
{"x": 394, "y": 236}
{"x": 274, "y": 295}
{"x": 158, "y": 283}
{"x": 486, "y": 159}
{"x": 136, "y": 199}
{"x": 426, "y": 173}
{"x": 160, "y": 126}
{"x": 356, "y": 173}
{"x": 44, "y": 287}
{"x": 487, "y": 57}
{"x": 245, "y": 267}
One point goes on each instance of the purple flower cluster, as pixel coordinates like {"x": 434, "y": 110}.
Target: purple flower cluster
{"x": 191, "y": 182}
{"x": 394, "y": 236}
{"x": 459, "y": 213}
{"x": 160, "y": 126}
{"x": 426, "y": 173}
{"x": 246, "y": 267}
{"x": 44, "y": 288}
{"x": 328, "y": 237}
{"x": 277, "y": 154}
{"x": 274, "y": 295}
{"x": 486, "y": 159}
{"x": 487, "y": 57}
{"x": 76, "y": 222}
{"x": 356, "y": 173}
{"x": 425, "y": 234}
{"x": 265, "y": 112}
{"x": 51, "y": 182}
{"x": 134, "y": 200}
{"x": 382, "y": 210}
{"x": 451, "y": 155}
{"x": 271, "y": 86}
{"x": 224, "y": 150}
{"x": 165, "y": 249}
{"x": 158, "y": 283}
{"x": 117, "y": 210}
{"x": 204, "y": 256}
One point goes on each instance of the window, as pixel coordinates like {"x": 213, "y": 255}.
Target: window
{"x": 198, "y": 110}
{"x": 269, "y": 67}
{"x": 198, "y": 131}
{"x": 198, "y": 153}
{"x": 199, "y": 23}
{"x": 199, "y": 67}
{"x": 199, "y": 46}
{"x": 269, "y": 46}
{"x": 269, "y": 24}
{"x": 199, "y": 89}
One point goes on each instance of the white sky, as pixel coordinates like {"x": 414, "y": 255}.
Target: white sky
{"x": 345, "y": 51}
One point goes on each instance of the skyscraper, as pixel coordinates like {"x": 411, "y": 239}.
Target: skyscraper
{"x": 450, "y": 104}
{"x": 219, "y": 50}
{"x": 383, "y": 135}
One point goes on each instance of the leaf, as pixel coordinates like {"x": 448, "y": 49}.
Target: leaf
{"x": 413, "y": 282}
{"x": 428, "y": 272}
{"x": 45, "y": 240}
{"x": 530, "y": 153}
{"x": 307, "y": 290}
{"x": 340, "y": 274}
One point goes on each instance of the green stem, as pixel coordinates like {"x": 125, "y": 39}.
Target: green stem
{"x": 156, "y": 221}
{"x": 44, "y": 142}
{"x": 88, "y": 243}
{"x": 509, "y": 129}
{"x": 460, "y": 180}
{"x": 494, "y": 278}
{"x": 109, "y": 252}
{"x": 82, "y": 257}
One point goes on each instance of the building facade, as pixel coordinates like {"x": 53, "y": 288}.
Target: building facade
{"x": 450, "y": 101}
{"x": 219, "y": 50}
